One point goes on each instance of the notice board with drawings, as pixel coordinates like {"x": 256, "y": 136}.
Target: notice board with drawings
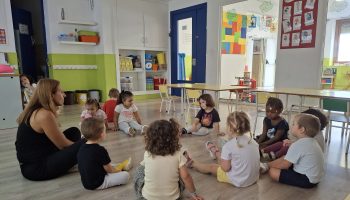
{"x": 298, "y": 27}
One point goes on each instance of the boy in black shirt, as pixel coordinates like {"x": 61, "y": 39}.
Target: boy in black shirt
{"x": 94, "y": 164}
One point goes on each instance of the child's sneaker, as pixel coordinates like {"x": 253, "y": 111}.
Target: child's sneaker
{"x": 132, "y": 132}
{"x": 264, "y": 167}
{"x": 183, "y": 131}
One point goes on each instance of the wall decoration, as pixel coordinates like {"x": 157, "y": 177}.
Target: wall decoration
{"x": 234, "y": 32}
{"x": 265, "y": 6}
{"x": 299, "y": 20}
{"x": 2, "y": 36}
{"x": 253, "y": 21}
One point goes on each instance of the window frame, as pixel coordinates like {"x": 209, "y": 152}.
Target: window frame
{"x": 338, "y": 26}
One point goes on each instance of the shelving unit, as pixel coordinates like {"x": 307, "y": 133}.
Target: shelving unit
{"x": 140, "y": 75}
{"x": 77, "y": 43}
{"x": 74, "y": 22}
{"x": 327, "y": 81}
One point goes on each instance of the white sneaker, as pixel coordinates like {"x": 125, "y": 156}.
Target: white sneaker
{"x": 128, "y": 166}
{"x": 264, "y": 167}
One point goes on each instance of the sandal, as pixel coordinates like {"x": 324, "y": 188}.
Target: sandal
{"x": 210, "y": 146}
{"x": 131, "y": 132}
{"x": 189, "y": 161}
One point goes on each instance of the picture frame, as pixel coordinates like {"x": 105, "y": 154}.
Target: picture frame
{"x": 257, "y": 46}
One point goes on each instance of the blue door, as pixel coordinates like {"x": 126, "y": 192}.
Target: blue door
{"x": 22, "y": 25}
{"x": 188, "y": 45}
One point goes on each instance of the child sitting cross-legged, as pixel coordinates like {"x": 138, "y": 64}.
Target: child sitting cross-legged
{"x": 280, "y": 149}
{"x": 275, "y": 127}
{"x": 238, "y": 163}
{"x": 163, "y": 174}
{"x": 94, "y": 163}
{"x": 303, "y": 164}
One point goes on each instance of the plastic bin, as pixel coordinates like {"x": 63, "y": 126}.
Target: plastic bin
{"x": 95, "y": 94}
{"x": 81, "y": 96}
{"x": 158, "y": 81}
{"x": 88, "y": 38}
{"x": 69, "y": 99}
{"x": 86, "y": 32}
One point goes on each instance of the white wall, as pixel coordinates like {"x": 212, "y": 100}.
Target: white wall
{"x": 74, "y": 10}
{"x": 6, "y": 23}
{"x": 329, "y": 41}
{"x": 213, "y": 32}
{"x": 301, "y": 68}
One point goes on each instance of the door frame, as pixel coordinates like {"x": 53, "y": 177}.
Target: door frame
{"x": 173, "y": 40}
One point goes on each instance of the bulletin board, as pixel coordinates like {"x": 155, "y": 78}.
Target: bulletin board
{"x": 298, "y": 24}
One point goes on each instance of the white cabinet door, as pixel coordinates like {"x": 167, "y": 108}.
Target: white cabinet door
{"x": 130, "y": 27}
{"x": 156, "y": 25}
{"x": 11, "y": 103}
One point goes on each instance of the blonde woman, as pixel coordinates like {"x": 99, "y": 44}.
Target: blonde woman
{"x": 43, "y": 151}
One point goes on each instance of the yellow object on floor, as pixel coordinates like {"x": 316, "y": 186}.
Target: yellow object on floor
{"x": 125, "y": 165}
{"x": 347, "y": 197}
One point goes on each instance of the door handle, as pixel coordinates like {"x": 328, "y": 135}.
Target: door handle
{"x": 194, "y": 62}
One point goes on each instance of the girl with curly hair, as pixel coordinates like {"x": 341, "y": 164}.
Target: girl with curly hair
{"x": 163, "y": 174}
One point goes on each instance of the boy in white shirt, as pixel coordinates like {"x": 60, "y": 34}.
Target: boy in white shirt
{"x": 303, "y": 164}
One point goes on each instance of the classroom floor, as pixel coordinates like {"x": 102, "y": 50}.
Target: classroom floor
{"x": 335, "y": 184}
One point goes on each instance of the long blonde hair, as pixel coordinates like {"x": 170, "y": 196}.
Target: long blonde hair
{"x": 42, "y": 98}
{"x": 238, "y": 123}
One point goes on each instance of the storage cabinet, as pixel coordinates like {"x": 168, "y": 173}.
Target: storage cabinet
{"x": 141, "y": 80}
{"x": 142, "y": 24}
{"x": 11, "y": 103}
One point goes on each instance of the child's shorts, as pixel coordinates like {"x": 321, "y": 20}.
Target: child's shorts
{"x": 222, "y": 176}
{"x": 291, "y": 177}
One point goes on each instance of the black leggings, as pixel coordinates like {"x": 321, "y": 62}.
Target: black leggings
{"x": 58, "y": 163}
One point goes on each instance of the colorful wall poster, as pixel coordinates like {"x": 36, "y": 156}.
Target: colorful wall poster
{"x": 234, "y": 32}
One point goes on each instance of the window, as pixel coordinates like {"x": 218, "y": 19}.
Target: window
{"x": 342, "y": 41}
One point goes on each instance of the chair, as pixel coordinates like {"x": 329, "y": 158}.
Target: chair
{"x": 192, "y": 99}
{"x": 261, "y": 99}
{"x": 300, "y": 107}
{"x": 338, "y": 111}
{"x": 165, "y": 97}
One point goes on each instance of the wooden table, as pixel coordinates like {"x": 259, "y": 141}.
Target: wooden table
{"x": 302, "y": 93}
{"x": 208, "y": 87}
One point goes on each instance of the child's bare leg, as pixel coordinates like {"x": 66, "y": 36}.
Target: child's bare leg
{"x": 205, "y": 168}
{"x": 275, "y": 174}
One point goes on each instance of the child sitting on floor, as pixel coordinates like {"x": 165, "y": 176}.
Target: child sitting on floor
{"x": 303, "y": 164}
{"x": 94, "y": 163}
{"x": 275, "y": 127}
{"x": 163, "y": 174}
{"x": 280, "y": 149}
{"x": 238, "y": 163}
{"x": 126, "y": 116}
{"x": 207, "y": 119}
{"x": 93, "y": 109}
{"x": 109, "y": 106}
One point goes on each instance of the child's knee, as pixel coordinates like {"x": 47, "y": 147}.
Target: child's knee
{"x": 124, "y": 176}
{"x": 274, "y": 174}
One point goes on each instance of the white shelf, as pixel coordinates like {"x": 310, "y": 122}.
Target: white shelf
{"x": 85, "y": 23}
{"x": 133, "y": 71}
{"x": 78, "y": 43}
{"x": 145, "y": 92}
{"x": 158, "y": 71}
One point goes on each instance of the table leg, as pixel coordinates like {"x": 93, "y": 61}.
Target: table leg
{"x": 237, "y": 100}
{"x": 217, "y": 99}
{"x": 182, "y": 100}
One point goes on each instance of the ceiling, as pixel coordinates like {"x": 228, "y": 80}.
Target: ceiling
{"x": 338, "y": 9}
